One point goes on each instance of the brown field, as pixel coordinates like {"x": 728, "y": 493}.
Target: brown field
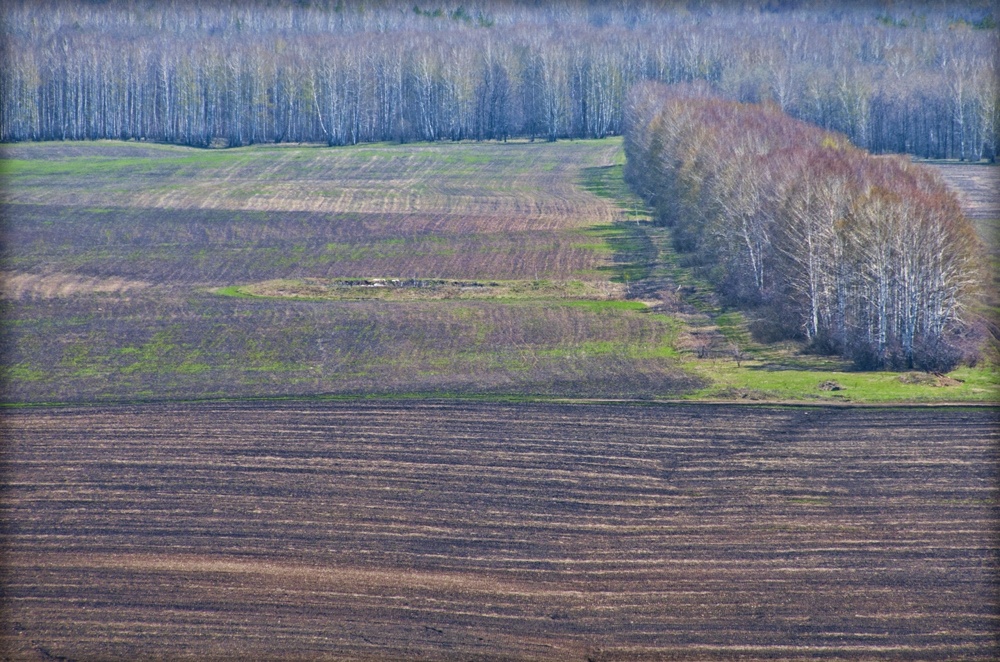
{"x": 186, "y": 248}
{"x": 435, "y": 531}
{"x": 977, "y": 187}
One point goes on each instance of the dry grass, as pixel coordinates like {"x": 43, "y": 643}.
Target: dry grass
{"x": 403, "y": 289}
{"x": 47, "y": 286}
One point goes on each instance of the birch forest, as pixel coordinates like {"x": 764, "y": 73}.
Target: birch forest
{"x": 916, "y": 77}
{"x": 866, "y": 256}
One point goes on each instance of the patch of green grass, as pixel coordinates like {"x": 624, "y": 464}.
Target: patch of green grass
{"x": 233, "y": 291}
{"x": 667, "y": 347}
{"x": 106, "y": 167}
{"x": 979, "y": 384}
{"x": 192, "y": 368}
{"x": 810, "y": 501}
{"x": 605, "y": 306}
{"x": 22, "y": 372}
{"x": 733, "y": 326}
{"x": 155, "y": 355}
{"x": 608, "y": 182}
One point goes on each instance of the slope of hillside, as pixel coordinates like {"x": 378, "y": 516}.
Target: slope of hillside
{"x": 449, "y": 268}
{"x": 137, "y": 272}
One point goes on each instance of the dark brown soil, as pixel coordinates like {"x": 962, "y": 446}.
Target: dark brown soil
{"x": 389, "y": 530}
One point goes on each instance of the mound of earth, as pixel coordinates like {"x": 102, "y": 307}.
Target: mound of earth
{"x": 928, "y": 379}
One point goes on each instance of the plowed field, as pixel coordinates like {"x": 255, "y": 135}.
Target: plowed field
{"x": 438, "y": 531}
{"x": 977, "y": 187}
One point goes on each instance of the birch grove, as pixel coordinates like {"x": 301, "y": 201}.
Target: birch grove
{"x": 913, "y": 78}
{"x": 862, "y": 255}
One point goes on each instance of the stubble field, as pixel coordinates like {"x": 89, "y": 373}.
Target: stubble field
{"x": 457, "y": 531}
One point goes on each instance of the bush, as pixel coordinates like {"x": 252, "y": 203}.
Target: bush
{"x": 773, "y": 324}
{"x": 822, "y": 345}
{"x": 935, "y": 354}
{"x": 865, "y": 355}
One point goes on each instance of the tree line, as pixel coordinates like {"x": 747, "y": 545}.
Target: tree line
{"x": 916, "y": 78}
{"x": 862, "y": 255}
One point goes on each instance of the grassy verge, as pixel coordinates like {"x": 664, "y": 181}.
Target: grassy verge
{"x": 755, "y": 381}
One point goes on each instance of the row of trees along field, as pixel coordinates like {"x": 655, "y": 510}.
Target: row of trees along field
{"x": 915, "y": 77}
{"x": 867, "y": 256}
